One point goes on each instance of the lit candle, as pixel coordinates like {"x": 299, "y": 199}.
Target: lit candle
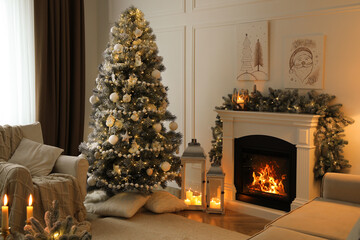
{"x": 5, "y": 215}
{"x": 29, "y": 209}
{"x": 189, "y": 194}
{"x": 215, "y": 203}
{"x": 188, "y": 201}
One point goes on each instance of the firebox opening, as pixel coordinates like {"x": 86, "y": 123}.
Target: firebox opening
{"x": 265, "y": 171}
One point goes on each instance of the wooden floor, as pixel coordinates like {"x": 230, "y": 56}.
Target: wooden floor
{"x": 231, "y": 220}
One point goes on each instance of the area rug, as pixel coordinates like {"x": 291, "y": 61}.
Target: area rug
{"x": 147, "y": 226}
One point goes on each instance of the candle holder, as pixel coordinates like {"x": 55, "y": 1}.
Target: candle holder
{"x": 240, "y": 99}
{"x": 5, "y": 232}
{"x": 193, "y": 176}
{"x": 215, "y": 190}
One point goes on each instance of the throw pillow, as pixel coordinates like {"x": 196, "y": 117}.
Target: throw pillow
{"x": 124, "y": 204}
{"x": 37, "y": 157}
{"x": 162, "y": 202}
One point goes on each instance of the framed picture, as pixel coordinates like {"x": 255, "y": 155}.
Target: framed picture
{"x": 304, "y": 62}
{"x": 253, "y": 51}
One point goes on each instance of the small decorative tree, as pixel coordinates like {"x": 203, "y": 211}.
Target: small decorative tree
{"x": 130, "y": 148}
{"x": 247, "y": 56}
{"x": 258, "y": 56}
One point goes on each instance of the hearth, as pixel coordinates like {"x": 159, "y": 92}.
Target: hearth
{"x": 265, "y": 171}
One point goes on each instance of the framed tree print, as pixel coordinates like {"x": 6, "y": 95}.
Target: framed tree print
{"x": 304, "y": 62}
{"x": 253, "y": 51}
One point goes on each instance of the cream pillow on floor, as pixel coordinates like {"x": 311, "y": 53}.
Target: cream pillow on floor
{"x": 37, "y": 157}
{"x": 162, "y": 202}
{"x": 124, "y": 204}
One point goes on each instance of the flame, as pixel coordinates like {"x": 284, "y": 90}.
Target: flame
{"x": 30, "y": 200}
{"x": 239, "y": 99}
{"x": 5, "y": 200}
{"x": 264, "y": 181}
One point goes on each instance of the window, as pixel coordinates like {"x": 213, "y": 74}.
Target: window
{"x": 17, "y": 62}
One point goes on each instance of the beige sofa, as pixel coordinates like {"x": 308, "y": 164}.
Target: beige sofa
{"x": 335, "y": 215}
{"x": 66, "y": 183}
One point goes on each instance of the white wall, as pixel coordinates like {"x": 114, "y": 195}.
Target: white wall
{"x": 197, "y": 39}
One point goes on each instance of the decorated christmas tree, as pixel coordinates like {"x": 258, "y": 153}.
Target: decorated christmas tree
{"x": 130, "y": 146}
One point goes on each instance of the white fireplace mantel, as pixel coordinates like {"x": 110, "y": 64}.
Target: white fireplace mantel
{"x": 297, "y": 129}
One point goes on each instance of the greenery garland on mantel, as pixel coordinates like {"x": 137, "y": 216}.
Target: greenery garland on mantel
{"x": 329, "y": 134}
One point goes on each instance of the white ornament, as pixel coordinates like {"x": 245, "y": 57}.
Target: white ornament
{"x": 138, "y": 32}
{"x": 127, "y": 98}
{"x": 173, "y": 126}
{"x": 113, "y": 29}
{"x": 157, "y": 127}
{"x": 156, "y": 74}
{"x": 114, "y": 97}
{"x": 149, "y": 171}
{"x": 118, "y": 48}
{"x": 93, "y": 99}
{"x": 136, "y": 185}
{"x": 113, "y": 139}
{"x": 91, "y": 181}
{"x": 165, "y": 166}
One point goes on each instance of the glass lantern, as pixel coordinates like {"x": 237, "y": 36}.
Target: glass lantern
{"x": 215, "y": 190}
{"x": 193, "y": 176}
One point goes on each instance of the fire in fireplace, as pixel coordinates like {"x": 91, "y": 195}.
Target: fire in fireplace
{"x": 265, "y": 171}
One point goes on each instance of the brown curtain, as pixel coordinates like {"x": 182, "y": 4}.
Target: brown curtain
{"x": 60, "y": 71}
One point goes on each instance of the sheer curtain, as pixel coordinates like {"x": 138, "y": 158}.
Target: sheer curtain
{"x": 17, "y": 62}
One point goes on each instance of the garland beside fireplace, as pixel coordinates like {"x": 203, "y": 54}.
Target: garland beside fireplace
{"x": 329, "y": 136}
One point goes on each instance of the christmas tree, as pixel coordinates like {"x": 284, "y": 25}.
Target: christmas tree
{"x": 246, "y": 58}
{"x": 130, "y": 147}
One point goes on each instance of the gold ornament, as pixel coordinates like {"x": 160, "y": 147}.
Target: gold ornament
{"x": 149, "y": 171}
{"x": 134, "y": 117}
{"x": 156, "y": 74}
{"x": 110, "y": 121}
{"x": 151, "y": 107}
{"x": 134, "y": 147}
{"x": 165, "y": 166}
{"x": 132, "y": 80}
{"x": 173, "y": 126}
{"x": 157, "y": 127}
{"x": 127, "y": 98}
{"x": 119, "y": 124}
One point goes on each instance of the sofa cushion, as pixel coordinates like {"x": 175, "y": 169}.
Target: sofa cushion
{"x": 124, "y": 204}
{"x": 277, "y": 233}
{"x": 33, "y": 132}
{"x": 38, "y": 158}
{"x": 162, "y": 202}
{"x": 324, "y": 218}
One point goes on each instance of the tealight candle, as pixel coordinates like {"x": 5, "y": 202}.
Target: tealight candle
{"x": 215, "y": 203}
{"x": 188, "y": 202}
{"x": 5, "y": 215}
{"x": 29, "y": 209}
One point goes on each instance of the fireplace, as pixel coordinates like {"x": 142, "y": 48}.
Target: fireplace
{"x": 294, "y": 129}
{"x": 265, "y": 171}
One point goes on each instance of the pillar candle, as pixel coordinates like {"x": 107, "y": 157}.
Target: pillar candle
{"x": 29, "y": 209}
{"x": 189, "y": 194}
{"x": 5, "y": 215}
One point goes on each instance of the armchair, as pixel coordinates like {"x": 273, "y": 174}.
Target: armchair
{"x": 66, "y": 182}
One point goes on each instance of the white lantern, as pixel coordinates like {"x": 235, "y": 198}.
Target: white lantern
{"x": 215, "y": 190}
{"x": 193, "y": 176}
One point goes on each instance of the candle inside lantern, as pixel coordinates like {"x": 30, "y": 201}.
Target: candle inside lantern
{"x": 189, "y": 194}
{"x": 5, "y": 214}
{"x": 188, "y": 202}
{"x": 29, "y": 209}
{"x": 240, "y": 100}
{"x": 215, "y": 203}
